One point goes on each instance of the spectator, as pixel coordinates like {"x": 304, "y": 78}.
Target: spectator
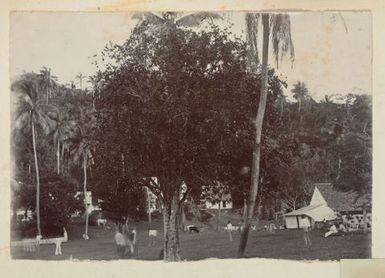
{"x": 306, "y": 226}
{"x": 342, "y": 228}
{"x": 332, "y": 230}
{"x": 229, "y": 230}
{"x": 120, "y": 241}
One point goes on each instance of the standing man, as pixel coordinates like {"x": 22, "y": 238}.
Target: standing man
{"x": 120, "y": 241}
{"x": 229, "y": 228}
{"x": 306, "y": 225}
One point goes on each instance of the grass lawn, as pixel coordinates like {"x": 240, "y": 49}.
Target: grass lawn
{"x": 284, "y": 244}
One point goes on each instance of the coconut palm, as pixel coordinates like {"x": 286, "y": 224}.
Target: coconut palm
{"x": 276, "y": 28}
{"x": 172, "y": 20}
{"x": 48, "y": 81}
{"x": 81, "y": 155}
{"x": 31, "y": 114}
{"x": 300, "y": 93}
{"x": 80, "y": 76}
{"x": 65, "y": 133}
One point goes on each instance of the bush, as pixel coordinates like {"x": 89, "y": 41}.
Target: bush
{"x": 93, "y": 217}
{"x": 57, "y": 203}
{"x": 205, "y": 216}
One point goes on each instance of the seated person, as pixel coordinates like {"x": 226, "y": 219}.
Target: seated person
{"x": 332, "y": 230}
{"x": 342, "y": 228}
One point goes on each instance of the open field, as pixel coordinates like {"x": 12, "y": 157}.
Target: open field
{"x": 285, "y": 244}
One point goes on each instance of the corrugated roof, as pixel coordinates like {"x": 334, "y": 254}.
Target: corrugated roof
{"x": 339, "y": 200}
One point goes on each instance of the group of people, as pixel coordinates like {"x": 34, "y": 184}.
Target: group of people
{"x": 125, "y": 240}
{"x": 335, "y": 228}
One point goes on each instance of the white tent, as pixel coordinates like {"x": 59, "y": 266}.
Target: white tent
{"x": 317, "y": 211}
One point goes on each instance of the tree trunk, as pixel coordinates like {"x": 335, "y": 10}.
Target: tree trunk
{"x": 37, "y": 178}
{"x": 299, "y": 104}
{"x": 182, "y": 216}
{"x": 257, "y": 143}
{"x": 149, "y": 209}
{"x": 63, "y": 168}
{"x": 244, "y": 209}
{"x": 171, "y": 248}
{"x": 281, "y": 110}
{"x": 58, "y": 155}
{"x": 93, "y": 99}
{"x": 218, "y": 216}
{"x": 85, "y": 195}
{"x": 219, "y": 212}
{"x": 365, "y": 216}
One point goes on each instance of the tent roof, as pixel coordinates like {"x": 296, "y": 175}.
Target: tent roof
{"x": 317, "y": 198}
{"x": 317, "y": 212}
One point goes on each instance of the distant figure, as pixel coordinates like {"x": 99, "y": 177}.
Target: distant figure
{"x": 253, "y": 227}
{"x": 229, "y": 230}
{"x": 120, "y": 242}
{"x": 342, "y": 228}
{"x": 241, "y": 225}
{"x": 272, "y": 228}
{"x": 101, "y": 222}
{"x": 133, "y": 236}
{"x": 333, "y": 230}
{"x": 59, "y": 241}
{"x": 152, "y": 234}
{"x": 130, "y": 238}
{"x": 305, "y": 223}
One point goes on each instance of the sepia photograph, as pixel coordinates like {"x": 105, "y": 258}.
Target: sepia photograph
{"x": 183, "y": 136}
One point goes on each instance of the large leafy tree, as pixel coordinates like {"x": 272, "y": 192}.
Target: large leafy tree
{"x": 276, "y": 28}
{"x": 30, "y": 113}
{"x": 175, "y": 106}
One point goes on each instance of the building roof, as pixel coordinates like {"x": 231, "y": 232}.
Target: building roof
{"x": 339, "y": 200}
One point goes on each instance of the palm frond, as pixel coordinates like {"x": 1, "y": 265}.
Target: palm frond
{"x": 149, "y": 18}
{"x": 252, "y": 21}
{"x": 281, "y": 37}
{"x": 21, "y": 121}
{"x": 27, "y": 87}
{"x": 42, "y": 120}
{"x": 195, "y": 19}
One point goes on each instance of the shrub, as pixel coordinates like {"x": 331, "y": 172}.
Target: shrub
{"x": 57, "y": 203}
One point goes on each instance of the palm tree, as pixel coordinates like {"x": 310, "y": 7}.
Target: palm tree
{"x": 300, "y": 93}
{"x": 80, "y": 76}
{"x": 31, "y": 114}
{"x": 276, "y": 27}
{"x": 48, "y": 81}
{"x": 82, "y": 155}
{"x": 64, "y": 134}
{"x": 172, "y": 20}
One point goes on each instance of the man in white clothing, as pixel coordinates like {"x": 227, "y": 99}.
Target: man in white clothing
{"x": 306, "y": 226}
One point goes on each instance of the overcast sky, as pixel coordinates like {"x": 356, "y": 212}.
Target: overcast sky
{"x": 327, "y": 58}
